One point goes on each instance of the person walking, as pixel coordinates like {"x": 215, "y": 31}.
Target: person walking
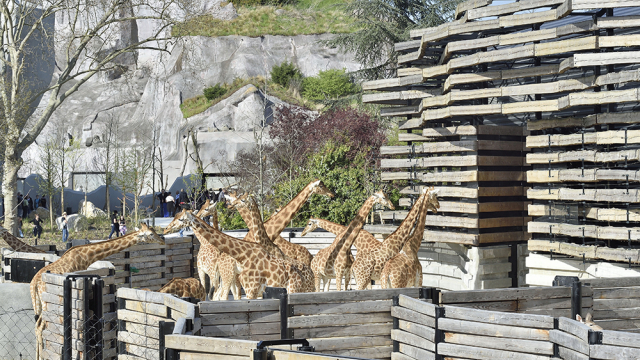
{"x": 37, "y": 227}
{"x": 123, "y": 226}
{"x": 65, "y": 228}
{"x": 171, "y": 205}
{"x": 115, "y": 224}
{"x": 162, "y": 196}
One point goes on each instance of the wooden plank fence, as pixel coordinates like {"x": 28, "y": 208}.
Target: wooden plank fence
{"x": 453, "y": 332}
{"x": 82, "y": 323}
{"x": 241, "y": 319}
{"x": 139, "y": 316}
{"x": 616, "y": 303}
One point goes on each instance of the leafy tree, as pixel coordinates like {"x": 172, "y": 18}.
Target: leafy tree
{"x": 283, "y": 73}
{"x": 229, "y": 218}
{"x": 348, "y": 177}
{"x": 382, "y": 24}
{"x": 329, "y": 84}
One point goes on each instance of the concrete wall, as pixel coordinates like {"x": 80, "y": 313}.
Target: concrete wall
{"x": 72, "y": 198}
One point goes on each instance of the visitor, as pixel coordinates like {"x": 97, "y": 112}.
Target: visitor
{"x": 183, "y": 199}
{"x": 171, "y": 203}
{"x": 43, "y": 202}
{"x": 115, "y": 225}
{"x": 37, "y": 227}
{"x": 221, "y": 195}
{"x": 30, "y": 204}
{"x": 36, "y": 203}
{"x": 19, "y": 205}
{"x": 25, "y": 206}
{"x": 162, "y": 196}
{"x": 65, "y": 227}
{"x": 123, "y": 226}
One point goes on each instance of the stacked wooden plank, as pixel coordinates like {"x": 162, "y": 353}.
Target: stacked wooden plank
{"x": 471, "y": 333}
{"x": 346, "y": 323}
{"x": 198, "y": 347}
{"x": 415, "y": 332}
{"x": 552, "y": 301}
{"x": 139, "y": 314}
{"x": 616, "y": 345}
{"x": 153, "y": 265}
{"x": 9, "y": 254}
{"x": 543, "y": 267}
{"x": 241, "y": 319}
{"x": 478, "y": 171}
{"x": 616, "y": 303}
{"x": 85, "y": 323}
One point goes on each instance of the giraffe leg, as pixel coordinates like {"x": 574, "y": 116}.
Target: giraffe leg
{"x": 224, "y": 288}
{"x": 202, "y": 276}
{"x": 339, "y": 272}
{"x": 347, "y": 278}
{"x": 316, "y": 278}
{"x": 327, "y": 283}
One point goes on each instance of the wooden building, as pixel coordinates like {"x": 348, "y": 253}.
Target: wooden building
{"x": 524, "y": 115}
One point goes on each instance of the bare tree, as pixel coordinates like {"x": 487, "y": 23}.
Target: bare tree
{"x": 67, "y": 157}
{"x": 88, "y": 39}
{"x": 47, "y": 167}
{"x": 105, "y": 159}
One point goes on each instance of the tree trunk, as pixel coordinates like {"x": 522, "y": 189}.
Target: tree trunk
{"x": 51, "y": 212}
{"x": 12, "y": 164}
{"x": 107, "y": 199}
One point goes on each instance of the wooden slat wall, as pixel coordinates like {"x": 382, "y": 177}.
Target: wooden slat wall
{"x": 200, "y": 348}
{"x": 241, "y": 319}
{"x": 139, "y": 314}
{"x": 552, "y": 301}
{"x": 416, "y": 332}
{"x": 8, "y": 254}
{"x": 346, "y": 323}
{"x": 616, "y": 303}
{"x": 53, "y": 335}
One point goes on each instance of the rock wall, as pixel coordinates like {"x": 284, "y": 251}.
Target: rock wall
{"x": 151, "y": 91}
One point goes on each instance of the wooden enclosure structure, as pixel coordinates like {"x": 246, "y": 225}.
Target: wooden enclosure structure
{"x": 565, "y": 73}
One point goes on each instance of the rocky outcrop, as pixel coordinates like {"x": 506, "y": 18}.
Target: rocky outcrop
{"x": 89, "y": 210}
{"x": 75, "y": 223}
{"x": 150, "y": 93}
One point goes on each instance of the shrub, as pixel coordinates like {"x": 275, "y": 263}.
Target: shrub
{"x": 214, "y": 92}
{"x": 283, "y": 73}
{"x": 328, "y": 84}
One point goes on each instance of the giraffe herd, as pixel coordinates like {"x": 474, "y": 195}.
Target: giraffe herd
{"x": 263, "y": 258}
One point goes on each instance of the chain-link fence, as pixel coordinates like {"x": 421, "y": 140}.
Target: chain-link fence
{"x": 17, "y": 336}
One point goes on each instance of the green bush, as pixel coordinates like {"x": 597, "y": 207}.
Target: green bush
{"x": 283, "y": 74}
{"x": 214, "y": 92}
{"x": 252, "y": 3}
{"x": 328, "y": 84}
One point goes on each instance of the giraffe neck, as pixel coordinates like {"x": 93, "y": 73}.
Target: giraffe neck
{"x": 256, "y": 227}
{"x": 225, "y": 243}
{"x": 395, "y": 241}
{"x": 331, "y": 227}
{"x": 356, "y": 224}
{"x": 280, "y": 220}
{"x": 412, "y": 245}
{"x": 16, "y": 244}
{"x": 84, "y": 255}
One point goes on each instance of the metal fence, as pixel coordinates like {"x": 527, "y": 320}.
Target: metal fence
{"x": 17, "y": 339}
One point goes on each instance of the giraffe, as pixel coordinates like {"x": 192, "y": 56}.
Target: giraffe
{"x": 15, "y": 243}
{"x": 258, "y": 267}
{"x": 80, "y": 258}
{"x": 214, "y": 263}
{"x": 217, "y": 265}
{"x": 188, "y": 287}
{"x": 404, "y": 269}
{"x": 297, "y": 281}
{"x": 369, "y": 265}
{"x": 279, "y": 221}
{"x": 325, "y": 261}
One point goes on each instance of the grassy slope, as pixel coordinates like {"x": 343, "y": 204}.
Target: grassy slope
{"x": 305, "y": 18}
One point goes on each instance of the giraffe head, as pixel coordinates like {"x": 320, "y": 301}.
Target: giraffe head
{"x": 183, "y": 219}
{"x": 312, "y": 224}
{"x": 208, "y": 208}
{"x": 381, "y": 198}
{"x": 432, "y": 199}
{"x": 148, "y": 235}
{"x": 318, "y": 187}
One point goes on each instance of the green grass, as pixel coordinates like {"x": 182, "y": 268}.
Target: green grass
{"x": 319, "y": 18}
{"x": 198, "y": 104}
